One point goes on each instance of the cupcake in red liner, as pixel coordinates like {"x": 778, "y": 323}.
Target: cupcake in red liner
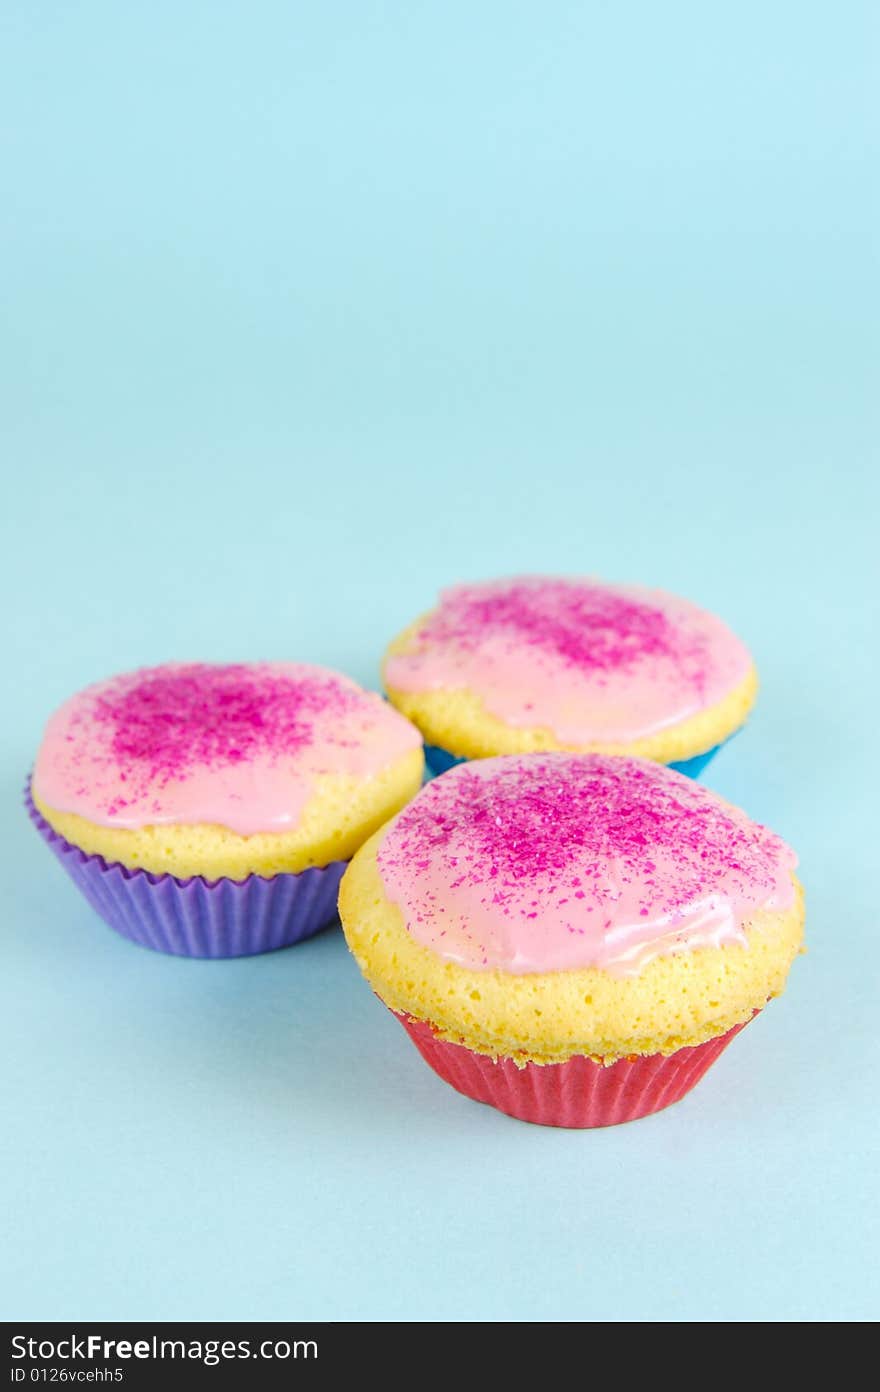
{"x": 572, "y": 939}
{"x": 543, "y": 662}
{"x": 209, "y": 810}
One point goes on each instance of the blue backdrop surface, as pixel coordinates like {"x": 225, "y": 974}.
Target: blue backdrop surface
{"x": 308, "y": 310}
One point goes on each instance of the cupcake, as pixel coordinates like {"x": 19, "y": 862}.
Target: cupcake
{"x": 570, "y": 938}
{"x": 210, "y": 810}
{"x": 539, "y": 663}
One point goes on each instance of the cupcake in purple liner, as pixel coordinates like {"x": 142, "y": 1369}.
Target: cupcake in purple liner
{"x": 209, "y": 810}
{"x": 542, "y": 663}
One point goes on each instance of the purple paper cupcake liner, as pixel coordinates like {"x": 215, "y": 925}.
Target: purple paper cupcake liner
{"x": 198, "y": 917}
{"x": 438, "y": 760}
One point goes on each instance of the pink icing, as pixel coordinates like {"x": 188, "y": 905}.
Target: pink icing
{"x": 238, "y": 745}
{"x": 588, "y": 661}
{"x": 542, "y": 862}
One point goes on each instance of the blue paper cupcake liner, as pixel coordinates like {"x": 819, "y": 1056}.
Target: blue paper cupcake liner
{"x": 198, "y": 917}
{"x": 438, "y": 760}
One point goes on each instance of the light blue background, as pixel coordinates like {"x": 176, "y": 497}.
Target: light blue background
{"x": 306, "y": 311}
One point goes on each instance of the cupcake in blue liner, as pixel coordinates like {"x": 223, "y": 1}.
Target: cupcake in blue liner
{"x": 438, "y": 760}
{"x": 209, "y": 810}
{"x": 545, "y": 663}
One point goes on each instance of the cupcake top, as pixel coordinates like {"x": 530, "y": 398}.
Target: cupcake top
{"x": 238, "y": 745}
{"x": 590, "y": 662}
{"x": 549, "y": 862}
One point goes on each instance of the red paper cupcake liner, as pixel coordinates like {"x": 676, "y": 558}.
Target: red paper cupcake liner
{"x": 578, "y": 1093}
{"x": 196, "y": 917}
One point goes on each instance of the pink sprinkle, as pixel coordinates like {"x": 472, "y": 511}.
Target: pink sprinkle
{"x": 529, "y": 848}
{"x": 164, "y": 722}
{"x": 589, "y": 626}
